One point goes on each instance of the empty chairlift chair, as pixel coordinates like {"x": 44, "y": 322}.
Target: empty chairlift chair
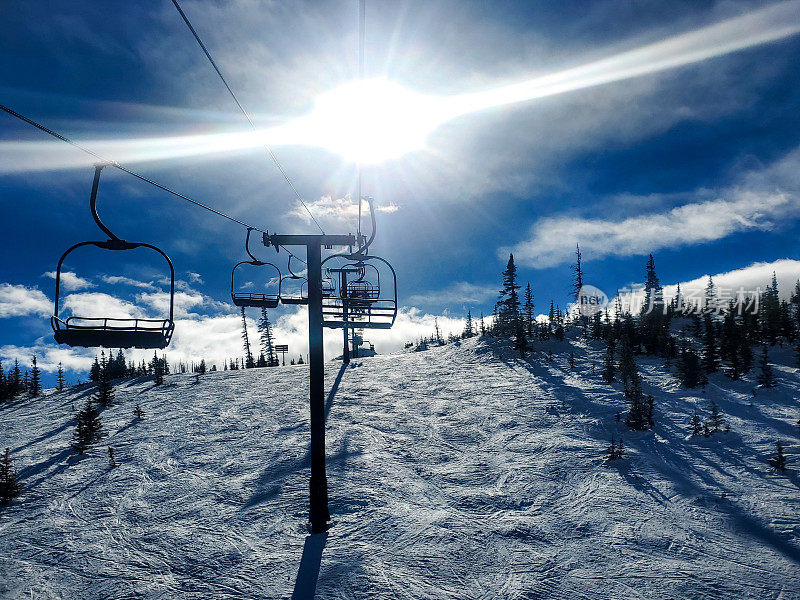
{"x": 301, "y": 295}
{"x": 250, "y": 299}
{"x": 361, "y": 299}
{"x": 98, "y": 331}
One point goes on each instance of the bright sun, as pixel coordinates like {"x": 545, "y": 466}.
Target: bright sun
{"x": 368, "y": 121}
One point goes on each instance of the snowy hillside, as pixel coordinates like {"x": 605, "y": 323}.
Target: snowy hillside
{"x": 460, "y": 472}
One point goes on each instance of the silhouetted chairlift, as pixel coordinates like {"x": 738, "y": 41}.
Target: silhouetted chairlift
{"x": 254, "y": 300}
{"x": 301, "y": 296}
{"x": 94, "y": 332}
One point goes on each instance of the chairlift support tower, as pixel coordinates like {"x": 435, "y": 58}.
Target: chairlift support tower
{"x": 319, "y": 516}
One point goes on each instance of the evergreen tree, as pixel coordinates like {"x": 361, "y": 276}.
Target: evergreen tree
{"x": 138, "y": 413}
{"x": 653, "y": 322}
{"x": 15, "y": 381}
{"x": 482, "y": 327}
{"x": 695, "y": 424}
{"x": 60, "y": 378}
{"x": 609, "y": 368}
{"x": 770, "y": 312}
{"x": 469, "y": 326}
{"x": 571, "y": 359}
{"x": 111, "y": 462}
{"x": 9, "y": 485}
{"x": 690, "y": 372}
{"x": 249, "y": 362}
{"x": 710, "y": 355}
{"x": 767, "y": 376}
{"x": 35, "y": 385}
{"x": 4, "y": 395}
{"x": 157, "y": 369}
{"x": 508, "y": 306}
{"x": 528, "y": 311}
{"x": 88, "y": 428}
{"x": 267, "y": 344}
{"x": 577, "y": 269}
{"x": 615, "y": 450}
{"x": 520, "y": 339}
{"x": 778, "y": 461}
{"x": 94, "y": 372}
{"x": 201, "y": 368}
{"x": 105, "y": 392}
{"x": 715, "y": 418}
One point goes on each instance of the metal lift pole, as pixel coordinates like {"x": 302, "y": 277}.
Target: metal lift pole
{"x": 343, "y": 288}
{"x": 318, "y": 514}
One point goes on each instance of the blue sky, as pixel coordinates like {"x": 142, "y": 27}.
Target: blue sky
{"x": 697, "y": 163}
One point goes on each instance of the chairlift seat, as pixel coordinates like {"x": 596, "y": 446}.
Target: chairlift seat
{"x": 113, "y": 333}
{"x": 255, "y": 300}
{"x": 294, "y": 300}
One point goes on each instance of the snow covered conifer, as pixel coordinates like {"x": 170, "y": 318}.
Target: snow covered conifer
{"x": 528, "y": 309}
{"x": 111, "y": 462}
{"x": 138, "y": 413}
{"x": 157, "y": 367}
{"x": 695, "y": 424}
{"x": 716, "y": 417}
{"x": 4, "y": 396}
{"x": 35, "y": 385}
{"x": 60, "y": 378}
{"x": 609, "y": 368}
{"x": 779, "y": 460}
{"x": 767, "y": 376}
{"x": 9, "y": 486}
{"x": 469, "y": 326}
{"x": 105, "y": 391}
{"x": 571, "y": 359}
{"x": 508, "y": 306}
{"x": 88, "y": 428}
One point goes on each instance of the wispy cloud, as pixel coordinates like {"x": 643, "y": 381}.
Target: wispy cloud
{"x": 337, "y": 211}
{"x": 70, "y": 281}
{"x": 21, "y": 301}
{"x": 459, "y": 292}
{"x": 119, "y": 280}
{"x": 552, "y": 240}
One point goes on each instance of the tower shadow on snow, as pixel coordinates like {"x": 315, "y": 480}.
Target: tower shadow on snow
{"x": 305, "y": 586}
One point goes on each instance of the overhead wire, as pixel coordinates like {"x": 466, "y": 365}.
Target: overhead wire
{"x": 125, "y": 169}
{"x": 244, "y": 112}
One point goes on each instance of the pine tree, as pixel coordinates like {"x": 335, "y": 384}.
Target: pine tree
{"x": 111, "y": 462}
{"x": 482, "y": 327}
{"x": 88, "y": 428}
{"x": 690, "y": 372}
{"x": 715, "y": 418}
{"x": 508, "y": 308}
{"x": 571, "y": 360}
{"x": 9, "y": 485}
{"x": 249, "y": 362}
{"x": 138, "y": 413}
{"x": 710, "y": 356}
{"x": 577, "y": 269}
{"x": 4, "y": 395}
{"x": 94, "y": 371}
{"x": 267, "y": 343}
{"x": 653, "y": 321}
{"x": 105, "y": 391}
{"x": 157, "y": 368}
{"x": 438, "y": 333}
{"x": 60, "y": 378}
{"x": 469, "y": 326}
{"x": 609, "y": 368}
{"x": 201, "y": 368}
{"x": 695, "y": 424}
{"x": 770, "y": 312}
{"x": 35, "y": 386}
{"x": 767, "y": 376}
{"x": 779, "y": 460}
{"x": 528, "y": 310}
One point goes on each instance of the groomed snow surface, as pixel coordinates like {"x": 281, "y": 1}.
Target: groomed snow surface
{"x": 459, "y": 472}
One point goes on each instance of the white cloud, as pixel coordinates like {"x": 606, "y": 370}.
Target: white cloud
{"x": 119, "y": 280}
{"x": 97, "y": 304}
{"x": 48, "y": 356}
{"x": 184, "y": 301}
{"x": 194, "y": 277}
{"x": 745, "y": 282}
{"x": 553, "y": 239}
{"x": 20, "y": 301}
{"x": 329, "y": 211}
{"x": 70, "y": 282}
{"x": 459, "y": 292}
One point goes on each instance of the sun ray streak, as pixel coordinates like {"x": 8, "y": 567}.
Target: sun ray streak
{"x": 377, "y": 120}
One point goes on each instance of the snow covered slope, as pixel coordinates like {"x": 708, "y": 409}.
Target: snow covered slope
{"x": 460, "y": 472}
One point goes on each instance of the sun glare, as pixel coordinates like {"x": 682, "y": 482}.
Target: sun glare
{"x": 367, "y": 121}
